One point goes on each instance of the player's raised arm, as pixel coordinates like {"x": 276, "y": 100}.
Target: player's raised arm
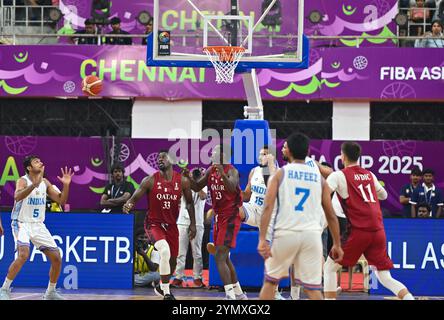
{"x": 230, "y": 179}
{"x": 380, "y": 191}
{"x": 145, "y": 187}
{"x": 198, "y": 185}
{"x": 186, "y": 190}
{"x": 60, "y": 197}
{"x": 246, "y": 194}
{"x": 22, "y": 190}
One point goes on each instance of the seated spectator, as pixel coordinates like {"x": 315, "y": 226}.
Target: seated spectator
{"x": 117, "y": 192}
{"x": 146, "y": 261}
{"x": 424, "y": 210}
{"x": 427, "y": 193}
{"x": 148, "y": 30}
{"x": 115, "y": 24}
{"x": 432, "y": 39}
{"x": 407, "y": 191}
{"x": 90, "y": 28}
{"x": 419, "y": 13}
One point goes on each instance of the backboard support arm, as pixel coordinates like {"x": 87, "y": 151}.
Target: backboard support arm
{"x": 255, "y": 108}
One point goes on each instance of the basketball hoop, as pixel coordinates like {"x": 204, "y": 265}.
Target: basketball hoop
{"x": 225, "y": 60}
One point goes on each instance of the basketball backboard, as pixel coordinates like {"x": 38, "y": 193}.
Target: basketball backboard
{"x": 271, "y": 33}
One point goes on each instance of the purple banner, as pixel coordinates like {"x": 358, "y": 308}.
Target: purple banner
{"x": 351, "y": 17}
{"x": 391, "y": 161}
{"x": 334, "y": 73}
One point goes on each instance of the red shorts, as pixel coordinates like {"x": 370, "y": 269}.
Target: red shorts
{"x": 158, "y": 231}
{"x": 373, "y": 244}
{"x": 225, "y": 230}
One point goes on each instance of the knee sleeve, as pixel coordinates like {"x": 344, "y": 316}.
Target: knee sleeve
{"x": 330, "y": 275}
{"x": 164, "y": 252}
{"x": 387, "y": 281}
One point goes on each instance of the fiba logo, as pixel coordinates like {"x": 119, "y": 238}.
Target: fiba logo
{"x": 360, "y": 62}
{"x": 69, "y": 86}
{"x": 164, "y": 37}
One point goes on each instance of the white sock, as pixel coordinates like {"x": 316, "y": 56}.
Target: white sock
{"x": 237, "y": 288}
{"x": 329, "y": 298}
{"x": 295, "y": 292}
{"x": 7, "y": 283}
{"x": 408, "y": 296}
{"x": 51, "y": 286}
{"x": 165, "y": 287}
{"x": 229, "y": 291}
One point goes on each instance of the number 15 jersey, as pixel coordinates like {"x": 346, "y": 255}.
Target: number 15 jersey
{"x": 299, "y": 206}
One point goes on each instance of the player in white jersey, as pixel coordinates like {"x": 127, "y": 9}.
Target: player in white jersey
{"x": 27, "y": 224}
{"x": 296, "y": 238}
{"x": 254, "y": 193}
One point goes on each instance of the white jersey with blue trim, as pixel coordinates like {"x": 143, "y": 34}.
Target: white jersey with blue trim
{"x": 258, "y": 187}
{"x": 300, "y": 198}
{"x": 33, "y": 207}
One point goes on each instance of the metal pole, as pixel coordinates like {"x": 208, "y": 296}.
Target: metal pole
{"x": 234, "y": 24}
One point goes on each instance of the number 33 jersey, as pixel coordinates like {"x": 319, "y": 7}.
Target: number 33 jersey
{"x": 299, "y": 200}
{"x": 32, "y": 208}
{"x": 164, "y": 199}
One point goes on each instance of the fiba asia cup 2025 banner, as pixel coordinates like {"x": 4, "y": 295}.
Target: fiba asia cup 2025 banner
{"x": 391, "y": 161}
{"x": 333, "y": 73}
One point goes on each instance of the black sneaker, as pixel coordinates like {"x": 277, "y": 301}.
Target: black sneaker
{"x": 168, "y": 297}
{"x": 158, "y": 291}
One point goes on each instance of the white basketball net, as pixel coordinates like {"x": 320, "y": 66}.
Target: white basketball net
{"x": 225, "y": 61}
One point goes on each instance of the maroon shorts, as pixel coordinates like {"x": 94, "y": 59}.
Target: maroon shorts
{"x": 373, "y": 244}
{"x": 159, "y": 231}
{"x": 225, "y": 230}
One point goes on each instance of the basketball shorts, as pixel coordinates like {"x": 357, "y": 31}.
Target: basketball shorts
{"x": 300, "y": 249}
{"x": 36, "y": 232}
{"x": 372, "y": 244}
{"x": 160, "y": 231}
{"x": 225, "y": 230}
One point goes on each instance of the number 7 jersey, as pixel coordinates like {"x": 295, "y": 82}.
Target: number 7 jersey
{"x": 299, "y": 199}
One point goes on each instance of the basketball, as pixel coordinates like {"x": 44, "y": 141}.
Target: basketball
{"x": 92, "y": 85}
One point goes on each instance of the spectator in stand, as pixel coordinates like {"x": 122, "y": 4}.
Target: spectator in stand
{"x": 90, "y": 28}
{"x": 148, "y": 30}
{"x": 419, "y": 13}
{"x": 427, "y": 193}
{"x": 115, "y": 24}
{"x": 407, "y": 191}
{"x": 424, "y": 210}
{"x": 146, "y": 261}
{"x": 439, "y": 14}
{"x": 432, "y": 39}
{"x": 117, "y": 192}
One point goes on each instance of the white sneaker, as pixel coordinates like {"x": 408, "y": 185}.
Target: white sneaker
{"x": 241, "y": 296}
{"x": 278, "y": 296}
{"x": 52, "y": 295}
{"x": 5, "y": 294}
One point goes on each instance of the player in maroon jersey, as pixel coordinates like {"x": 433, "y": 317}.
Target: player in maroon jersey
{"x": 222, "y": 180}
{"x": 164, "y": 190}
{"x": 359, "y": 192}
